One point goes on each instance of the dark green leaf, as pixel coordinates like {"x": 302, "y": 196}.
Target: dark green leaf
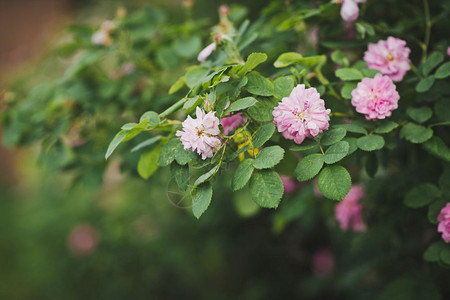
{"x": 148, "y": 163}
{"x": 195, "y": 75}
{"x": 416, "y": 133}
{"x": 268, "y": 157}
{"x": 153, "y": 118}
{"x": 370, "y": 142}
{"x": 433, "y": 60}
{"x": 241, "y": 104}
{"x": 425, "y": 84}
{"x": 386, "y": 127}
{"x": 263, "y": 134}
{"x": 352, "y": 128}
{"x": 332, "y": 136}
{"x": 201, "y": 198}
{"x": 309, "y": 166}
{"x": 334, "y": 182}
{"x": 242, "y": 175}
{"x": 340, "y": 58}
{"x": 421, "y": 195}
{"x": 181, "y": 175}
{"x": 348, "y": 74}
{"x": 253, "y": 60}
{"x": 266, "y": 188}
{"x": 336, "y": 152}
{"x": 347, "y": 89}
{"x": 421, "y": 114}
{"x": 206, "y": 176}
{"x": 438, "y": 148}
{"x": 167, "y": 155}
{"x": 283, "y": 86}
{"x": 443, "y": 71}
{"x": 259, "y": 85}
{"x": 262, "y": 110}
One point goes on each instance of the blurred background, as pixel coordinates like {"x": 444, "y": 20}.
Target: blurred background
{"x": 73, "y": 226}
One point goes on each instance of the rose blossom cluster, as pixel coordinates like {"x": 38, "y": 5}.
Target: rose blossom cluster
{"x": 390, "y": 57}
{"x": 444, "y": 223}
{"x": 201, "y": 134}
{"x": 349, "y": 212}
{"x": 375, "y": 97}
{"x": 301, "y": 115}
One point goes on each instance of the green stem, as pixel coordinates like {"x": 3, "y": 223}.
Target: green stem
{"x": 173, "y": 108}
{"x": 339, "y": 114}
{"x": 439, "y": 124}
{"x": 427, "y": 30}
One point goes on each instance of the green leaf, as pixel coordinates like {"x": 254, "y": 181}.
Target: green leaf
{"x": 305, "y": 146}
{"x": 443, "y": 71}
{"x": 312, "y": 61}
{"x": 183, "y": 156}
{"x": 262, "y": 110}
{"x": 433, "y": 60}
{"x": 253, "y": 60}
{"x": 266, "y": 188}
{"x": 438, "y": 148}
{"x": 167, "y": 155}
{"x": 283, "y": 86}
{"x": 153, "y": 118}
{"x": 115, "y": 142}
{"x": 148, "y": 163}
{"x": 181, "y": 175}
{"x": 259, "y": 85}
{"x": 242, "y": 175}
{"x": 425, "y": 84}
{"x": 348, "y": 74}
{"x": 146, "y": 143}
{"x": 370, "y": 142}
{"x": 268, "y": 157}
{"x": 433, "y": 252}
{"x": 421, "y": 114}
{"x": 355, "y": 128}
{"x": 334, "y": 182}
{"x": 444, "y": 181}
{"x": 340, "y": 58}
{"x": 287, "y": 59}
{"x": 177, "y": 85}
{"x": 195, "y": 75}
{"x": 241, "y": 104}
{"x": 434, "y": 210}
{"x": 207, "y": 175}
{"x": 201, "y": 198}
{"x": 421, "y": 195}
{"x": 263, "y": 134}
{"x": 336, "y": 152}
{"x": 416, "y": 133}
{"x": 352, "y": 144}
{"x": 309, "y": 167}
{"x": 442, "y": 110}
{"x": 347, "y": 89}
{"x": 192, "y": 103}
{"x": 332, "y": 136}
{"x": 386, "y": 127}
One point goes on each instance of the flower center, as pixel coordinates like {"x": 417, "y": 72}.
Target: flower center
{"x": 390, "y": 57}
{"x": 300, "y": 114}
{"x": 339, "y": 2}
{"x": 199, "y": 132}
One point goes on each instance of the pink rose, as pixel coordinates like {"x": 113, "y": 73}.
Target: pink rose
{"x": 348, "y": 212}
{"x": 205, "y": 53}
{"x": 350, "y": 10}
{"x": 444, "y": 223}
{"x": 323, "y": 263}
{"x": 231, "y": 123}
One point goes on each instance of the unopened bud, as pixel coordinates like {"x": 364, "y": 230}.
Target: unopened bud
{"x": 224, "y": 10}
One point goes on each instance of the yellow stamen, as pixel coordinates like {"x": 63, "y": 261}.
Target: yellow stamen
{"x": 300, "y": 114}
{"x": 390, "y": 57}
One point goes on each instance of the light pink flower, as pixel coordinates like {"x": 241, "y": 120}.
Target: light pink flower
{"x": 375, "y": 97}
{"x": 444, "y": 223}
{"x": 301, "y": 115}
{"x": 82, "y": 240}
{"x": 102, "y": 36}
{"x": 448, "y": 51}
{"x": 288, "y": 183}
{"x": 348, "y": 212}
{"x": 231, "y": 123}
{"x": 390, "y": 57}
{"x": 323, "y": 263}
{"x": 349, "y": 9}
{"x": 201, "y": 134}
{"x": 203, "y": 55}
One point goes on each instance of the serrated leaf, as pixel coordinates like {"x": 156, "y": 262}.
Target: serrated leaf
{"x": 153, "y": 118}
{"x": 334, "y": 182}
{"x": 309, "y": 167}
{"x": 262, "y": 110}
{"x": 201, "y": 198}
{"x": 443, "y": 71}
{"x": 181, "y": 175}
{"x": 207, "y": 175}
{"x": 416, "y": 133}
{"x": 421, "y": 195}
{"x": 432, "y": 254}
{"x": 434, "y": 210}
{"x": 263, "y": 134}
{"x": 370, "y": 142}
{"x": 336, "y": 152}
{"x": 242, "y": 175}
{"x": 332, "y": 136}
{"x": 259, "y": 85}
{"x": 433, "y": 60}
{"x": 425, "y": 84}
{"x": 253, "y": 60}
{"x": 148, "y": 163}
{"x": 386, "y": 127}
{"x": 347, "y": 89}
{"x": 348, "y": 74}
{"x": 438, "y": 148}
{"x": 146, "y": 143}
{"x": 266, "y": 188}
{"x": 183, "y": 156}
{"x": 340, "y": 58}
{"x": 167, "y": 155}
{"x": 195, "y": 75}
{"x": 118, "y": 138}
{"x": 352, "y": 128}
{"x": 283, "y": 86}
{"x": 352, "y": 144}
{"x": 268, "y": 157}
{"x": 241, "y": 104}
{"x": 305, "y": 146}
{"x": 287, "y": 59}
{"x": 421, "y": 114}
